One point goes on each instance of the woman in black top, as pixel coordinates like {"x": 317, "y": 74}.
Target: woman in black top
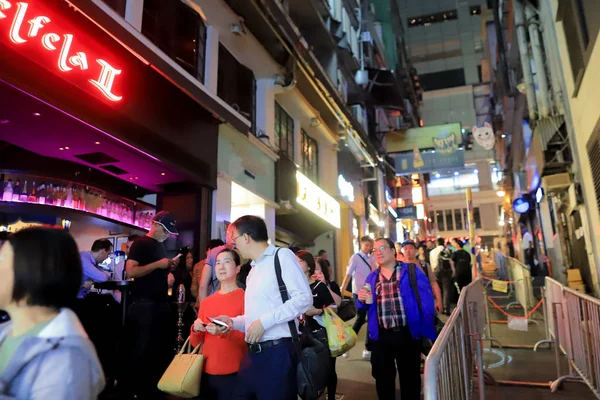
{"x": 322, "y": 298}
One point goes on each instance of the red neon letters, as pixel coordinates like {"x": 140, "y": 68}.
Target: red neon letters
{"x": 52, "y": 42}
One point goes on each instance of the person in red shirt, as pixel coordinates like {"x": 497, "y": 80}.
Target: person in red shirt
{"x": 222, "y": 351}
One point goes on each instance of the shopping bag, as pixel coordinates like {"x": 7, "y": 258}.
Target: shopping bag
{"x": 182, "y": 377}
{"x": 340, "y": 336}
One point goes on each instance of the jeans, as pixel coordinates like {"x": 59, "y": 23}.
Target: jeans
{"x": 396, "y": 351}
{"x": 361, "y": 318}
{"x": 268, "y": 375}
{"x": 444, "y": 278}
{"x": 217, "y": 387}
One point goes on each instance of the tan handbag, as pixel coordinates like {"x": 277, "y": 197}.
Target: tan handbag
{"x": 182, "y": 377}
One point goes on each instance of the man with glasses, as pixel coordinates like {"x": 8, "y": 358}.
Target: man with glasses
{"x": 268, "y": 370}
{"x": 401, "y": 312}
{"x": 146, "y": 342}
{"x": 360, "y": 266}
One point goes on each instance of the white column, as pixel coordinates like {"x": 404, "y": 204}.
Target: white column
{"x": 211, "y": 62}
{"x": 134, "y": 10}
{"x": 222, "y": 204}
{"x": 265, "y": 106}
{"x": 270, "y": 221}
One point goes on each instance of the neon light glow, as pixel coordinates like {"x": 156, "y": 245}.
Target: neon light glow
{"x": 48, "y": 39}
{"x": 17, "y": 22}
{"x": 64, "y": 53}
{"x": 73, "y": 50}
{"x": 4, "y": 5}
{"x": 36, "y": 24}
{"x": 106, "y": 80}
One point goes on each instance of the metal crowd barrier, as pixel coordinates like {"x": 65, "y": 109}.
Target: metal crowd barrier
{"x": 520, "y": 275}
{"x": 455, "y": 362}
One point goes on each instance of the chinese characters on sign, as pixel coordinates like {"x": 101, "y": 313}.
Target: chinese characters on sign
{"x": 25, "y": 27}
{"x": 316, "y": 200}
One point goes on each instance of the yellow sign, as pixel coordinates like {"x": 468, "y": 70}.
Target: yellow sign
{"x": 500, "y": 286}
{"x": 444, "y": 139}
{"x": 316, "y": 200}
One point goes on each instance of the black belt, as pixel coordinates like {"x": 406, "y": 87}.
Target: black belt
{"x": 260, "y": 347}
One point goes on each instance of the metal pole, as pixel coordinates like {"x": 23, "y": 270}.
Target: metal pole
{"x": 471, "y": 222}
{"x": 479, "y": 357}
{"x": 525, "y": 59}
{"x": 538, "y": 57}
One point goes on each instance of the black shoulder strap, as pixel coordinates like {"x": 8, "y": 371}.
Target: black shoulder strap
{"x": 412, "y": 277}
{"x": 284, "y": 294}
{"x": 366, "y": 262}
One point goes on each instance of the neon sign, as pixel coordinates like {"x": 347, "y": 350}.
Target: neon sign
{"x": 71, "y": 58}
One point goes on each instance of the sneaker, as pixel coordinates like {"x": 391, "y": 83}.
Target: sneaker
{"x": 366, "y": 354}
{"x": 346, "y": 355}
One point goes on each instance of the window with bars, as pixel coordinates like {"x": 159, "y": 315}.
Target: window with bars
{"x": 284, "y": 131}
{"x": 310, "y": 157}
{"x": 179, "y": 31}
{"x": 458, "y": 220}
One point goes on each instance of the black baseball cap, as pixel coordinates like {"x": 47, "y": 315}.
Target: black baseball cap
{"x": 409, "y": 243}
{"x": 167, "y": 220}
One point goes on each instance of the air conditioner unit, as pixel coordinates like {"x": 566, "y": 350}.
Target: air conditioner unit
{"x": 557, "y": 182}
{"x": 360, "y": 114}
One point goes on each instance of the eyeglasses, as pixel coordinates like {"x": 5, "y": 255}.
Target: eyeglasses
{"x": 380, "y": 249}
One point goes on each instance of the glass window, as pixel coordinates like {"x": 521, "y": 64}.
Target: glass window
{"x": 440, "y": 221}
{"x": 284, "y": 131}
{"x": 117, "y": 5}
{"x": 458, "y": 220}
{"x": 310, "y": 157}
{"x": 236, "y": 85}
{"x": 443, "y": 80}
{"x": 449, "y": 221}
{"x": 477, "y": 218}
{"x": 429, "y": 19}
{"x": 177, "y": 30}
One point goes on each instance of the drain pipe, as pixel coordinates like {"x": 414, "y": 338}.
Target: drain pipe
{"x": 540, "y": 69}
{"x": 525, "y": 60}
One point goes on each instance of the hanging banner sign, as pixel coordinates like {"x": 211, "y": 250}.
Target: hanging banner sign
{"x": 484, "y": 136}
{"x": 444, "y": 139}
{"x": 409, "y": 212}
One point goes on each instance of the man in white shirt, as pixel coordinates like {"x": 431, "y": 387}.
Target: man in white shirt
{"x": 268, "y": 370}
{"x": 527, "y": 246}
{"x": 360, "y": 266}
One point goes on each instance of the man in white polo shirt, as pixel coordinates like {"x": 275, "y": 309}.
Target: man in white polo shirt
{"x": 268, "y": 371}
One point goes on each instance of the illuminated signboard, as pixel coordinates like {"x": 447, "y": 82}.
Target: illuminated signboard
{"x": 316, "y": 200}
{"x": 521, "y": 205}
{"x": 346, "y": 189}
{"x": 48, "y": 39}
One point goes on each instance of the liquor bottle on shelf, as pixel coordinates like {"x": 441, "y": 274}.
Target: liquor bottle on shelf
{"x": 23, "y": 196}
{"x": 7, "y": 194}
{"x": 50, "y": 194}
{"x": 16, "y": 191}
{"x": 75, "y": 194}
{"x": 41, "y": 193}
{"x": 32, "y": 198}
{"x": 68, "y": 201}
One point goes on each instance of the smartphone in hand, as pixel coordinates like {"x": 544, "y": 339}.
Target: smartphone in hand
{"x": 220, "y": 323}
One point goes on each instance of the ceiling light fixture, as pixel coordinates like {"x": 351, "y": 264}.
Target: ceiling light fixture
{"x": 97, "y": 142}
{"x": 66, "y": 147}
{"x": 500, "y": 193}
{"x": 162, "y": 173}
{"x": 37, "y": 114}
{"x": 456, "y": 173}
{"x": 61, "y": 148}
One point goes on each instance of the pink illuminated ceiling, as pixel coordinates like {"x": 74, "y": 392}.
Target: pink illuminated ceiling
{"x": 43, "y": 129}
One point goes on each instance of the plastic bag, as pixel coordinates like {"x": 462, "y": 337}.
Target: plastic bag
{"x": 340, "y": 336}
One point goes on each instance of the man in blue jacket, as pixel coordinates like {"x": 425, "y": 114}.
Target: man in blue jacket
{"x": 401, "y": 311}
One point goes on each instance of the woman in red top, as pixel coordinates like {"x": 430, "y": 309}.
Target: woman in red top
{"x": 222, "y": 351}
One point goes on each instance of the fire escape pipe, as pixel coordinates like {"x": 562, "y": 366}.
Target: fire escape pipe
{"x": 538, "y": 58}
{"x": 525, "y": 60}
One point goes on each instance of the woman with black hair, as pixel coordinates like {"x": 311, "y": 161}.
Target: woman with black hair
{"x": 313, "y": 317}
{"x": 182, "y": 275}
{"x": 44, "y": 351}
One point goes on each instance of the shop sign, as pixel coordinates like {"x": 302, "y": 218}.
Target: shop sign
{"x": 409, "y": 212}
{"x": 484, "y": 136}
{"x": 48, "y": 40}
{"x": 405, "y": 163}
{"x": 316, "y": 200}
{"x": 346, "y": 189}
{"x": 443, "y": 138}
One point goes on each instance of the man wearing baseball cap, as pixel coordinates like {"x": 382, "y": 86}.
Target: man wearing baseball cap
{"x": 146, "y": 341}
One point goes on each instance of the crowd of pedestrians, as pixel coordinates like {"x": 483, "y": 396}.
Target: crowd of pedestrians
{"x": 247, "y": 318}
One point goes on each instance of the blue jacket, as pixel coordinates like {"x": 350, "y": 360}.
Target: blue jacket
{"x": 59, "y": 363}
{"x": 420, "y": 324}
